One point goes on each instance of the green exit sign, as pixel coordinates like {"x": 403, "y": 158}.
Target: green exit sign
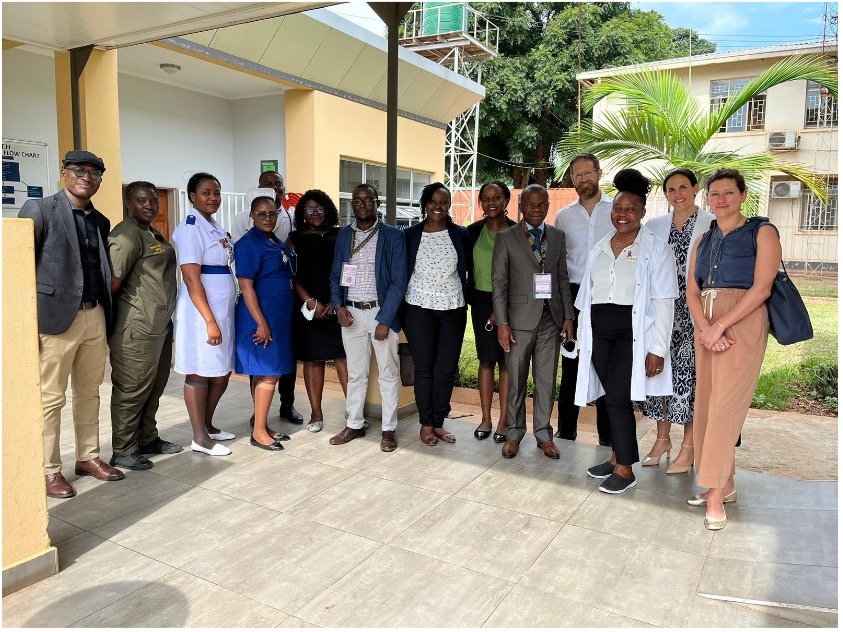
{"x": 269, "y": 165}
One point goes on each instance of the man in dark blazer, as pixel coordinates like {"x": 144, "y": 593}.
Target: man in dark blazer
{"x": 533, "y": 307}
{"x": 368, "y": 280}
{"x": 73, "y": 283}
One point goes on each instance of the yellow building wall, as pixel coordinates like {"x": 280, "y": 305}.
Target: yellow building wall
{"x": 27, "y": 554}
{"x": 321, "y": 128}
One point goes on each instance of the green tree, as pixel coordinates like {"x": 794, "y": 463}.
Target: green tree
{"x": 531, "y": 87}
{"x": 697, "y": 45}
{"x": 662, "y": 126}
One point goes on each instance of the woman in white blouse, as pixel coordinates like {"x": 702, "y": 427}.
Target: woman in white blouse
{"x": 626, "y": 315}
{"x": 434, "y": 318}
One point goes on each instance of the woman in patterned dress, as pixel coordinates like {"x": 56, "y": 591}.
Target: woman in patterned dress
{"x": 680, "y": 228}
{"x": 439, "y": 260}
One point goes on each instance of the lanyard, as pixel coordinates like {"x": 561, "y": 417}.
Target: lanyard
{"x": 538, "y": 250}
{"x": 355, "y": 249}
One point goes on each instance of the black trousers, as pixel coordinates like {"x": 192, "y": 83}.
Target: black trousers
{"x": 569, "y": 412}
{"x": 611, "y": 328}
{"x": 287, "y": 389}
{"x": 435, "y": 338}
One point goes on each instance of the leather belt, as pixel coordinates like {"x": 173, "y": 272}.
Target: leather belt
{"x": 366, "y": 305}
{"x": 86, "y": 305}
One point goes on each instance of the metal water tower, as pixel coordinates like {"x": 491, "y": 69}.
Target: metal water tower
{"x": 457, "y": 36}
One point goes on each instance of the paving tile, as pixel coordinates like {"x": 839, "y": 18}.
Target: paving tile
{"x": 764, "y": 490}
{"x": 370, "y": 507}
{"x": 195, "y": 468}
{"x": 354, "y": 455}
{"x": 813, "y": 618}
{"x": 98, "y": 502}
{"x": 777, "y": 583}
{"x": 530, "y": 608}
{"x": 397, "y": 588}
{"x": 551, "y": 495}
{"x": 284, "y": 562}
{"x": 440, "y": 471}
{"x": 279, "y": 482}
{"x": 638, "y": 580}
{"x": 710, "y": 613}
{"x": 190, "y": 527}
{"x": 487, "y": 539}
{"x": 293, "y": 622}
{"x": 180, "y": 600}
{"x": 59, "y": 530}
{"x": 92, "y": 575}
{"x": 677, "y": 487}
{"x": 646, "y": 517}
{"x": 785, "y": 536}
{"x": 575, "y": 457}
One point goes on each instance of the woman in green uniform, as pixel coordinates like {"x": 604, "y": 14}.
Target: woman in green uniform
{"x": 144, "y": 288}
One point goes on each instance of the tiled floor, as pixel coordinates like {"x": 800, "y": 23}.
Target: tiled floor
{"x": 445, "y": 536}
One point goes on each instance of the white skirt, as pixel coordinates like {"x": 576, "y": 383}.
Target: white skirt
{"x": 193, "y": 353}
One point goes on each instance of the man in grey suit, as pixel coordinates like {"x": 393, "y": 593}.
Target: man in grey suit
{"x": 73, "y": 283}
{"x": 533, "y": 307}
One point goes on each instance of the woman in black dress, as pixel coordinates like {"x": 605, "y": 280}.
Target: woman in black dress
{"x": 319, "y": 339}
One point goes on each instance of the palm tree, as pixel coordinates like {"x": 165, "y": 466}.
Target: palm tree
{"x": 663, "y": 127}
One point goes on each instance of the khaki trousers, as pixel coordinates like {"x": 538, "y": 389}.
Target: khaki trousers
{"x": 78, "y": 354}
{"x": 726, "y": 382}
{"x": 140, "y": 369}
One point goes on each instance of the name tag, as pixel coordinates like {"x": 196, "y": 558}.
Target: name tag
{"x": 542, "y": 285}
{"x": 349, "y": 275}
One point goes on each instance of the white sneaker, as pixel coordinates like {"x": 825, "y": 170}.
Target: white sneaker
{"x": 217, "y": 450}
{"x": 222, "y": 435}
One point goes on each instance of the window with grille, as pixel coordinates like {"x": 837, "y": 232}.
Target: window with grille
{"x": 353, "y": 172}
{"x": 750, "y": 116}
{"x": 820, "y": 107}
{"x": 815, "y": 214}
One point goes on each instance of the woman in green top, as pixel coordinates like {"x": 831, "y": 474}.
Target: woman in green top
{"x": 494, "y": 198}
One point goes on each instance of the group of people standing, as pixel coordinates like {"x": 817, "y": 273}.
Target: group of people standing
{"x": 647, "y": 315}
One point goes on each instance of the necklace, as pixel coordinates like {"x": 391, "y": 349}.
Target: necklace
{"x": 617, "y": 242}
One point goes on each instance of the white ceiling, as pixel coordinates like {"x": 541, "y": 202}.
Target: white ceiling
{"x": 197, "y": 75}
{"x": 66, "y": 25}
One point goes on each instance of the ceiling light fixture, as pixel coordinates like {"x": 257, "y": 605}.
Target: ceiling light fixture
{"x": 170, "y": 69}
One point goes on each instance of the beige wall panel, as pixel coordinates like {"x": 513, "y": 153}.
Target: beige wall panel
{"x": 24, "y": 499}
{"x": 204, "y": 38}
{"x": 368, "y": 70}
{"x": 294, "y": 46}
{"x": 334, "y": 59}
{"x": 420, "y": 92}
{"x": 248, "y": 41}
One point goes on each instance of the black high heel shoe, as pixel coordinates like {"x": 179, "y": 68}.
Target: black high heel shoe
{"x": 499, "y": 438}
{"x": 278, "y": 436}
{"x": 482, "y": 434}
{"x": 273, "y": 447}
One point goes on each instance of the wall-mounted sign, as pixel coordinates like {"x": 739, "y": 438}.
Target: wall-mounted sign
{"x": 269, "y": 165}
{"x": 25, "y": 174}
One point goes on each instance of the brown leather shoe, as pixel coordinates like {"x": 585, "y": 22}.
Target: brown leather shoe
{"x": 388, "y": 441}
{"x": 509, "y": 449}
{"x": 58, "y": 487}
{"x": 99, "y": 469}
{"x": 347, "y": 434}
{"x": 549, "y": 448}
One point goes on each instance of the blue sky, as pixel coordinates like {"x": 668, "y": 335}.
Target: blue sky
{"x": 733, "y": 25}
{"x": 736, "y": 25}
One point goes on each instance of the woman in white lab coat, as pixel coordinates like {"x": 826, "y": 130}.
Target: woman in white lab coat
{"x": 626, "y": 315}
{"x": 680, "y": 228}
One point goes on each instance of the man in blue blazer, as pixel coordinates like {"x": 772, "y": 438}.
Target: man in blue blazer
{"x": 73, "y": 283}
{"x": 368, "y": 280}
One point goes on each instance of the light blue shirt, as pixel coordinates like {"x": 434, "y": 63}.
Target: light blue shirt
{"x": 531, "y": 227}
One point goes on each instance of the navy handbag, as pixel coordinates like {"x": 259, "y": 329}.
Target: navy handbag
{"x": 789, "y": 319}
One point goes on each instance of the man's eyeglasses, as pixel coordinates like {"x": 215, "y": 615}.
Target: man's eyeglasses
{"x": 312, "y": 210}
{"x": 93, "y": 174}
{"x": 358, "y": 202}
{"x": 263, "y": 215}
{"x": 585, "y": 175}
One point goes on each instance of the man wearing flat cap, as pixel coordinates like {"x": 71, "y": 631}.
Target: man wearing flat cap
{"x": 73, "y": 283}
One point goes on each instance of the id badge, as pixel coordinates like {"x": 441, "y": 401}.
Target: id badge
{"x": 349, "y": 275}
{"x": 542, "y": 285}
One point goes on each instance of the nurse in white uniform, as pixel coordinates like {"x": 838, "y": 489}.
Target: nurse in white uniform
{"x": 204, "y": 319}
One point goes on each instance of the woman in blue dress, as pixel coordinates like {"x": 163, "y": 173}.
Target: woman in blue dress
{"x": 262, "y": 319}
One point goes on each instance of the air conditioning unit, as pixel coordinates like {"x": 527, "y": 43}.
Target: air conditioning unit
{"x": 786, "y": 189}
{"x": 782, "y": 140}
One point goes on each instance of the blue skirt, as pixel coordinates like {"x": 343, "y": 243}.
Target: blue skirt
{"x": 275, "y": 297}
